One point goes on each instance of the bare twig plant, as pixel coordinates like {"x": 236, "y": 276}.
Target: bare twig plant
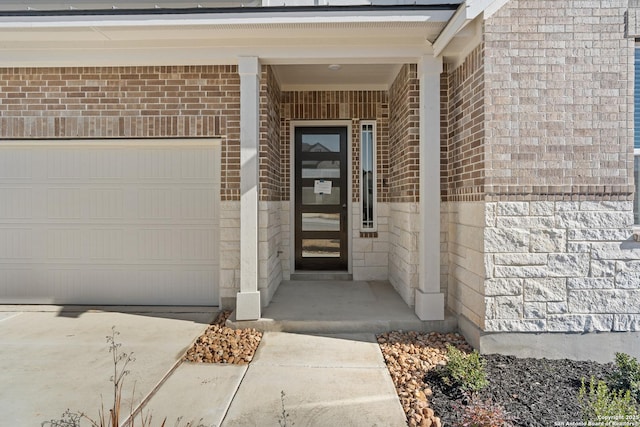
{"x": 111, "y": 418}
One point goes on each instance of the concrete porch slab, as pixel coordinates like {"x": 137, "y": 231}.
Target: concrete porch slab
{"x": 327, "y": 307}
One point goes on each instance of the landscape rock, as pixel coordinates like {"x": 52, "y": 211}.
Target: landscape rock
{"x": 221, "y": 344}
{"x": 408, "y": 356}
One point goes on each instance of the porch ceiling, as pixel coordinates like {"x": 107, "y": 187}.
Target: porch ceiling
{"x": 346, "y": 77}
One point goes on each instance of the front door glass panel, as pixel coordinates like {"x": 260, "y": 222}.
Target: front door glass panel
{"x": 315, "y": 221}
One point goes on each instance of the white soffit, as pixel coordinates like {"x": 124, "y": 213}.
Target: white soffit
{"x": 347, "y": 77}
{"x": 179, "y": 41}
{"x": 329, "y": 30}
{"x": 281, "y": 36}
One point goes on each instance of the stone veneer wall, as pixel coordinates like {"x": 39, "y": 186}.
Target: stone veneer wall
{"x": 558, "y": 254}
{"x": 136, "y": 102}
{"x": 270, "y": 221}
{"x": 564, "y": 266}
{"x": 404, "y": 180}
{"x": 369, "y": 250}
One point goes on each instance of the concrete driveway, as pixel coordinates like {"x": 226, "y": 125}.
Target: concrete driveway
{"x": 57, "y": 358}
{"x": 53, "y": 359}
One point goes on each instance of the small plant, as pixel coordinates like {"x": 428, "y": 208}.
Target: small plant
{"x": 121, "y": 361}
{"x": 627, "y": 375}
{"x": 284, "y": 415}
{"x": 599, "y": 404}
{"x": 465, "y": 370}
{"x": 483, "y": 413}
{"x": 69, "y": 419}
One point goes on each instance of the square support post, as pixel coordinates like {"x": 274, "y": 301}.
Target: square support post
{"x": 429, "y": 298}
{"x": 248, "y": 299}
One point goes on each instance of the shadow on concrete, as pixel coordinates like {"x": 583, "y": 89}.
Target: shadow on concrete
{"x": 197, "y": 314}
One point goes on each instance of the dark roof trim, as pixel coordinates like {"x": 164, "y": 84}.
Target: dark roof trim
{"x": 215, "y": 10}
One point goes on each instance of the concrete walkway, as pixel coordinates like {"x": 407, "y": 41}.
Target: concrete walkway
{"x": 54, "y": 358}
{"x": 326, "y": 381}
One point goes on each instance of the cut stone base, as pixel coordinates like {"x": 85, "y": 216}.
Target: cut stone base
{"x": 429, "y": 306}
{"x": 597, "y": 346}
{"x": 248, "y": 306}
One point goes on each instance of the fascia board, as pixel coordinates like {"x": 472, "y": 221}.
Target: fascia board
{"x": 457, "y": 22}
{"x": 467, "y": 12}
{"x": 226, "y": 19}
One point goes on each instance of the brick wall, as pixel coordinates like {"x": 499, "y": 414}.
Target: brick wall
{"x": 404, "y": 136}
{"x": 444, "y": 131}
{"x": 559, "y": 88}
{"x": 270, "y": 150}
{"x": 339, "y": 105}
{"x": 464, "y": 131}
{"x": 126, "y": 102}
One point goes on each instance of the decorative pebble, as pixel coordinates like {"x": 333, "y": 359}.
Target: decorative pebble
{"x": 221, "y": 344}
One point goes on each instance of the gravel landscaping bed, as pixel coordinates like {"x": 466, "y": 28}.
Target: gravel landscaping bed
{"x": 221, "y": 344}
{"x": 535, "y": 392}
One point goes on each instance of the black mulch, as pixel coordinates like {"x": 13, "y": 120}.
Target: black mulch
{"x": 536, "y": 392}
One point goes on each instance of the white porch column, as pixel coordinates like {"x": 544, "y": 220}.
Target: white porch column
{"x": 248, "y": 299}
{"x": 429, "y": 299}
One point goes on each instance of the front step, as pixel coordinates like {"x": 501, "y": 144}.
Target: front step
{"x": 329, "y": 326}
{"x": 321, "y": 275}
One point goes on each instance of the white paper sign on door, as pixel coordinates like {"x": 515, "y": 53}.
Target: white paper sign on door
{"x": 322, "y": 187}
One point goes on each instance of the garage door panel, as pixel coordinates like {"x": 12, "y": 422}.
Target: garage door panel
{"x": 30, "y": 290}
{"x": 198, "y": 166}
{"x": 16, "y": 165}
{"x": 16, "y": 203}
{"x": 107, "y": 244}
{"x": 157, "y": 203}
{"x": 65, "y": 243}
{"x": 66, "y": 164}
{"x": 198, "y": 244}
{"x": 197, "y": 203}
{"x": 156, "y": 244}
{"x": 111, "y": 164}
{"x": 64, "y": 203}
{"x": 158, "y": 164}
{"x": 107, "y": 203}
{"x": 16, "y": 244}
{"x": 83, "y": 224}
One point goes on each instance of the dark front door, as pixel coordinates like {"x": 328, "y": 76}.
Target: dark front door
{"x": 321, "y": 198}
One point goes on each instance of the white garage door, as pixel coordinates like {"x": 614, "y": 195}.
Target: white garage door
{"x": 109, "y": 222}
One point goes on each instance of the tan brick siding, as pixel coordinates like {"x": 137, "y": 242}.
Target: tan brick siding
{"x": 126, "y": 102}
{"x": 444, "y": 132}
{"x": 404, "y": 136}
{"x": 464, "y": 132}
{"x": 271, "y": 179}
{"x": 559, "y": 101}
{"x": 339, "y": 105}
